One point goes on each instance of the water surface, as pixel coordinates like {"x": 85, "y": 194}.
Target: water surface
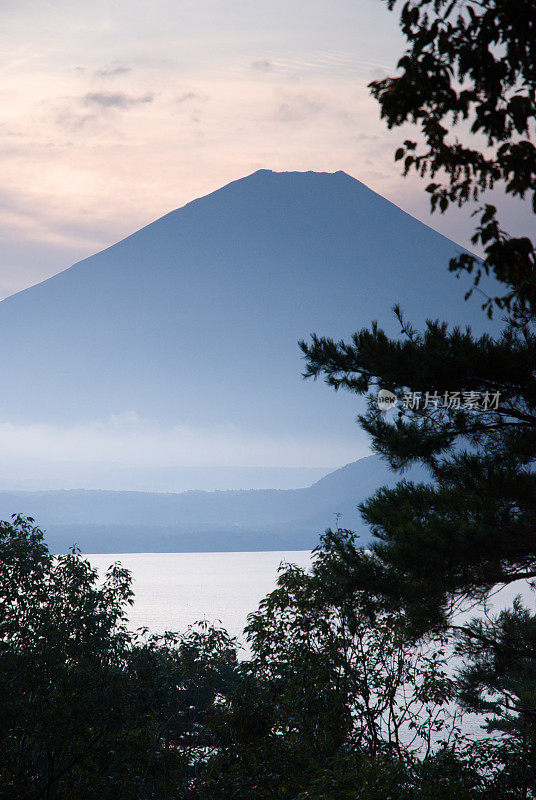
{"x": 174, "y": 590}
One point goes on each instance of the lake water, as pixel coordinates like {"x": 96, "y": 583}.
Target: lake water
{"x": 174, "y": 590}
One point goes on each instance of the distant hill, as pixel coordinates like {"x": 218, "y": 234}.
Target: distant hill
{"x": 195, "y": 521}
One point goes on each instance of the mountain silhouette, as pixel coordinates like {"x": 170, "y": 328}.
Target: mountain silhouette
{"x": 194, "y": 319}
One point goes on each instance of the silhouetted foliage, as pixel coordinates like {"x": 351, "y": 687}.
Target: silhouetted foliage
{"x": 475, "y": 525}
{"x": 335, "y": 692}
{"x": 470, "y": 67}
{"x": 88, "y": 709}
{"x": 337, "y": 700}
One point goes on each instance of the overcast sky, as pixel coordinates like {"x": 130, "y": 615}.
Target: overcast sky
{"x": 115, "y": 112}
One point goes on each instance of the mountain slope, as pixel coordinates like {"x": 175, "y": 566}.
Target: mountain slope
{"x": 193, "y": 320}
{"x": 101, "y": 521}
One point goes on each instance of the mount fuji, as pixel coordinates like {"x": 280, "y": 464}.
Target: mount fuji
{"x": 194, "y": 319}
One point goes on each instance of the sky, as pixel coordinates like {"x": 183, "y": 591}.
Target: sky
{"x": 115, "y": 112}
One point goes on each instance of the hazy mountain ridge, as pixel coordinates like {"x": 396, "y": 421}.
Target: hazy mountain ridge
{"x": 103, "y": 521}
